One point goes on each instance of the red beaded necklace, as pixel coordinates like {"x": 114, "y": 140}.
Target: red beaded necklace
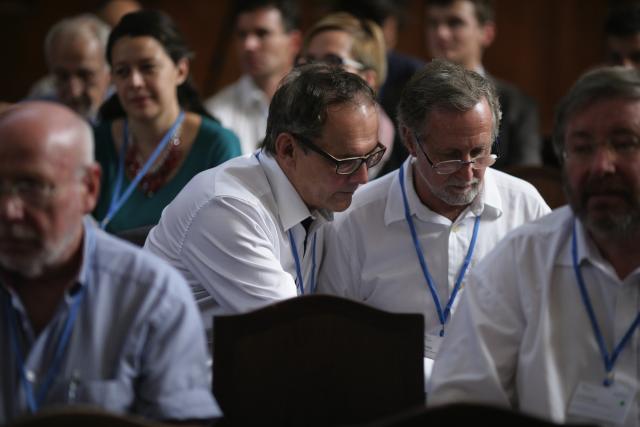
{"x": 158, "y": 174}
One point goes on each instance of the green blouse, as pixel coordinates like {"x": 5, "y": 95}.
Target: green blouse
{"x": 212, "y": 146}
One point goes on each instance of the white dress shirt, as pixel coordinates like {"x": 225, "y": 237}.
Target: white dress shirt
{"x": 242, "y": 107}
{"x": 227, "y": 232}
{"x": 522, "y": 336}
{"x": 370, "y": 256}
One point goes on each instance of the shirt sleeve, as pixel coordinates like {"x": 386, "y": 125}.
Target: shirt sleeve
{"x": 175, "y": 378}
{"x": 232, "y": 249}
{"x": 478, "y": 358}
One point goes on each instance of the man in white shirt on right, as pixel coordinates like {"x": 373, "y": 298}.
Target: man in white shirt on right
{"x": 267, "y": 41}
{"x": 409, "y": 238}
{"x": 549, "y": 321}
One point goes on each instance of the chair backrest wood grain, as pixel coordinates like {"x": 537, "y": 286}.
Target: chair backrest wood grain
{"x": 317, "y": 360}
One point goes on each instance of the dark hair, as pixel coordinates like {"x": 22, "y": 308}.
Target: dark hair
{"x": 288, "y": 10}
{"x": 300, "y": 104}
{"x": 161, "y": 27}
{"x": 623, "y": 20}
{"x": 600, "y": 83}
{"x": 444, "y": 86}
{"x": 484, "y": 10}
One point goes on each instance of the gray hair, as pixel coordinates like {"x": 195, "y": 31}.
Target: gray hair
{"x": 443, "y": 86}
{"x": 600, "y": 83}
{"x": 86, "y": 25}
{"x": 299, "y": 106}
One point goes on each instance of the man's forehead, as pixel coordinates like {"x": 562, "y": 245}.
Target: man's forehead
{"x": 263, "y": 17}
{"x": 456, "y": 8}
{"x": 611, "y": 113}
{"x": 77, "y": 50}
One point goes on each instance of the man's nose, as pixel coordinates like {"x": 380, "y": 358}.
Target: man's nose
{"x": 361, "y": 175}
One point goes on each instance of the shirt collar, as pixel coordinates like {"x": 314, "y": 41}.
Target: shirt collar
{"x": 587, "y": 249}
{"x": 88, "y": 250}
{"x": 291, "y": 208}
{"x": 251, "y": 95}
{"x": 488, "y": 202}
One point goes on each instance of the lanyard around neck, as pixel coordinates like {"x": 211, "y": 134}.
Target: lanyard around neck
{"x": 296, "y": 258}
{"x": 609, "y": 360}
{"x": 443, "y": 315}
{"x": 34, "y": 401}
{"x": 118, "y": 199}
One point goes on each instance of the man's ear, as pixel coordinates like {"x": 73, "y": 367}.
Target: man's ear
{"x": 286, "y": 151}
{"x": 408, "y": 138}
{"x": 488, "y": 34}
{"x": 295, "y": 42}
{"x": 371, "y": 77}
{"x": 182, "y": 66}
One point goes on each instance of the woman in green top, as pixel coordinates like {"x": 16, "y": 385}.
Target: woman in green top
{"x": 154, "y": 135}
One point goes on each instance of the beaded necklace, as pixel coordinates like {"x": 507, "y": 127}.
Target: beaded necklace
{"x": 157, "y": 175}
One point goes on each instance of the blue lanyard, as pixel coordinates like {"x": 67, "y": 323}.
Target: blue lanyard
{"x": 442, "y": 315}
{"x": 118, "y": 199}
{"x": 34, "y": 402}
{"x": 609, "y": 360}
{"x": 296, "y": 258}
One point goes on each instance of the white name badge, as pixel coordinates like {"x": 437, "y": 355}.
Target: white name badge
{"x": 607, "y": 404}
{"x": 432, "y": 343}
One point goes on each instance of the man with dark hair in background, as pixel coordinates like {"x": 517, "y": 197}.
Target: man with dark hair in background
{"x": 622, "y": 31}
{"x": 460, "y": 31}
{"x": 267, "y": 41}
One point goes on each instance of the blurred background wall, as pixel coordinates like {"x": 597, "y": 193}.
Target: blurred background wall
{"x": 541, "y": 46}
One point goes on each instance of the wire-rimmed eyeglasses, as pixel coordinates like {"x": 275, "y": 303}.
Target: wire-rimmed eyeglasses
{"x": 348, "y": 165}
{"x": 451, "y": 166}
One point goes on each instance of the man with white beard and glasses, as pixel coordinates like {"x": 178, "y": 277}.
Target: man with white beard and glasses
{"x": 437, "y": 215}
{"x": 87, "y": 319}
{"x": 548, "y": 324}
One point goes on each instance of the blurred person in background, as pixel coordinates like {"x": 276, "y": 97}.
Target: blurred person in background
{"x": 460, "y": 31}
{"x": 357, "y": 46}
{"x": 267, "y": 41}
{"x": 155, "y": 135}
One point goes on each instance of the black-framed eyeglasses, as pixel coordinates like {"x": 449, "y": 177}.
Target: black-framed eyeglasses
{"x": 330, "y": 59}
{"x": 451, "y": 166}
{"x": 348, "y": 165}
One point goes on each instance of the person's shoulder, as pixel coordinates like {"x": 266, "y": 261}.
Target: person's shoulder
{"x": 212, "y": 129}
{"x": 129, "y": 264}
{"x": 102, "y": 131}
{"x": 225, "y": 97}
{"x": 543, "y": 231}
{"x": 510, "y": 94}
{"x": 511, "y": 183}
{"x": 514, "y": 187}
{"x": 406, "y": 63}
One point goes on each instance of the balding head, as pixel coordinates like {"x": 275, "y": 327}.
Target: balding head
{"x": 48, "y": 182}
{"x": 53, "y": 125}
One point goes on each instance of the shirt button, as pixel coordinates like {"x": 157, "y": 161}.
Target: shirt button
{"x": 31, "y": 376}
